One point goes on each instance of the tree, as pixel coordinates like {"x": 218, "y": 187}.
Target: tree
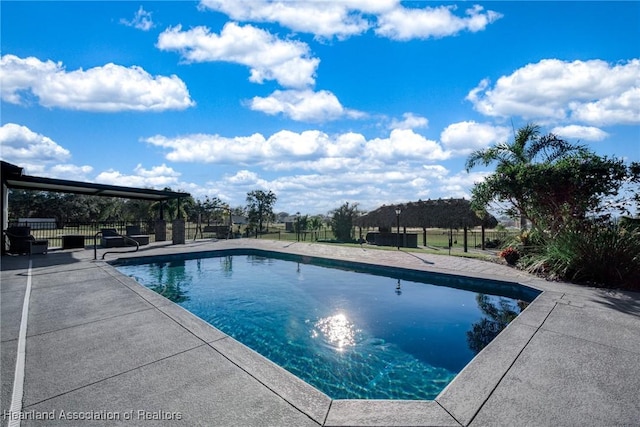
{"x": 260, "y": 207}
{"x": 553, "y": 196}
{"x": 527, "y": 148}
{"x": 342, "y": 221}
{"x": 498, "y": 314}
{"x": 301, "y": 225}
{"x": 316, "y": 223}
{"x": 174, "y": 208}
{"x": 139, "y": 210}
{"x": 64, "y": 207}
{"x": 572, "y": 198}
{"x": 208, "y": 210}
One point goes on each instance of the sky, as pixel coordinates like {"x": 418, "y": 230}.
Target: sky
{"x": 320, "y": 102}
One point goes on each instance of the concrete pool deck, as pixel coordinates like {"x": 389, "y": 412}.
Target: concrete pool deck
{"x": 97, "y": 344}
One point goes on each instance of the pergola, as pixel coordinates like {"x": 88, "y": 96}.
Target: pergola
{"x": 441, "y": 213}
{"x": 13, "y": 177}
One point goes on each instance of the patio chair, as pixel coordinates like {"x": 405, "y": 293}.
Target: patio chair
{"x": 110, "y": 238}
{"x": 21, "y": 241}
{"x": 133, "y": 232}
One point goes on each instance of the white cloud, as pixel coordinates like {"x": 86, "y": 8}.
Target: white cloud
{"x": 322, "y": 192}
{"x": 587, "y": 133}
{"x": 70, "y": 172}
{"x": 142, "y": 20}
{"x": 353, "y": 17}
{"x": 405, "y": 144}
{"x": 243, "y": 177}
{"x": 619, "y": 108}
{"x": 432, "y": 22}
{"x": 324, "y": 19}
{"x": 311, "y": 150}
{"x": 108, "y": 88}
{"x": 592, "y": 92}
{"x": 466, "y": 137}
{"x": 211, "y": 148}
{"x": 157, "y": 177}
{"x": 20, "y": 144}
{"x": 269, "y": 58}
{"x": 409, "y": 121}
{"x": 38, "y": 154}
{"x": 303, "y": 105}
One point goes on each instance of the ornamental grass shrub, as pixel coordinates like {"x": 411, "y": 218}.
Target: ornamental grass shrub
{"x": 599, "y": 254}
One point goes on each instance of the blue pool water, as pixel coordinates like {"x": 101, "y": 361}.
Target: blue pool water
{"x": 352, "y": 335}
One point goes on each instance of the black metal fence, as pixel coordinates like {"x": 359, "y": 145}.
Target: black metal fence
{"x": 435, "y": 238}
{"x": 438, "y": 238}
{"x": 56, "y": 232}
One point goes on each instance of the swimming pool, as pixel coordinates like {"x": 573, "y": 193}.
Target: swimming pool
{"x": 353, "y": 332}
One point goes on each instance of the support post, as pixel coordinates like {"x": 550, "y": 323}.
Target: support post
{"x": 398, "y": 210}
{"x": 178, "y": 232}
{"x": 465, "y": 240}
{"x": 160, "y": 230}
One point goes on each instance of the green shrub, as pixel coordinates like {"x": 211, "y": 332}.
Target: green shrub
{"x": 601, "y": 254}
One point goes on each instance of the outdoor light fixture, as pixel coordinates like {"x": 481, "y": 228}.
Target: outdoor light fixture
{"x": 398, "y": 222}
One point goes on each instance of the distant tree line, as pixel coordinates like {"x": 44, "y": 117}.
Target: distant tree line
{"x": 66, "y": 208}
{"x": 80, "y": 208}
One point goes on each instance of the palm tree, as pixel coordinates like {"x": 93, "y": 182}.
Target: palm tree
{"x": 174, "y": 208}
{"x": 316, "y": 224}
{"x": 527, "y": 148}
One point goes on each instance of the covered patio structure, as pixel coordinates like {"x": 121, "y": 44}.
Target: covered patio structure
{"x": 441, "y": 213}
{"x": 13, "y": 177}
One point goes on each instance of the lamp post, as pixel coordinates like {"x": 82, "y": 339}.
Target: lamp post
{"x": 398, "y": 223}
{"x": 297, "y": 226}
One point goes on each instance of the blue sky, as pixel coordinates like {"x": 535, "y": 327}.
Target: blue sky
{"x": 320, "y": 102}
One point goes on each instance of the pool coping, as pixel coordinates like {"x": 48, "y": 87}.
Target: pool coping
{"x": 476, "y": 395}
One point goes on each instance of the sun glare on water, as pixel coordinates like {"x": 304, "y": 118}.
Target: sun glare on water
{"x": 336, "y": 330}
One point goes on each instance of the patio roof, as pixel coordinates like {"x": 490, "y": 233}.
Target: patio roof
{"x": 13, "y": 178}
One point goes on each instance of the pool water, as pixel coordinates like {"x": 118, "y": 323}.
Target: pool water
{"x": 351, "y": 334}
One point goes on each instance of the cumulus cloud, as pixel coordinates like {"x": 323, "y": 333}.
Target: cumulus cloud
{"x": 401, "y": 166}
{"x": 591, "y": 92}
{"x": 324, "y": 19}
{"x": 304, "y": 105}
{"x": 38, "y": 154}
{"x": 353, "y": 17}
{"x": 108, "y": 88}
{"x": 157, "y": 177}
{"x": 409, "y": 121}
{"x": 463, "y": 138}
{"x": 432, "y": 22}
{"x": 286, "y": 61}
{"x": 586, "y": 133}
{"x": 372, "y": 186}
{"x": 405, "y": 144}
{"x": 142, "y": 20}
{"x": 312, "y": 149}
{"x": 20, "y": 144}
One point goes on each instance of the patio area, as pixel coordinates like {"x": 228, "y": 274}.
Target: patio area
{"x": 100, "y": 349}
